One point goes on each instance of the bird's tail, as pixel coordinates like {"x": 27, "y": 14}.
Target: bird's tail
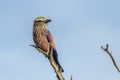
{"x": 60, "y": 68}
{"x": 55, "y": 56}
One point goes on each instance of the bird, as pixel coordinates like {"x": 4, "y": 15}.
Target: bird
{"x": 43, "y": 38}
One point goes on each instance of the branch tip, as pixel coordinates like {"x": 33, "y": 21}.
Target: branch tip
{"x": 107, "y": 46}
{"x": 71, "y": 78}
{"x": 110, "y": 54}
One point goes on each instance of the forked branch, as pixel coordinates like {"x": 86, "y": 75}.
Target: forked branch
{"x": 51, "y": 60}
{"x": 110, "y": 54}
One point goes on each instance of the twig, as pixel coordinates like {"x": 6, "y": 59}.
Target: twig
{"x": 40, "y": 50}
{"x": 110, "y": 54}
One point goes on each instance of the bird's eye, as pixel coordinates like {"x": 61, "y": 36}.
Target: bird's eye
{"x": 39, "y": 21}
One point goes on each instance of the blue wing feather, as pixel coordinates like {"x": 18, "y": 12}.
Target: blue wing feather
{"x": 48, "y": 38}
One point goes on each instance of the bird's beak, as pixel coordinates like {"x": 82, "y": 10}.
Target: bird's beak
{"x": 48, "y": 20}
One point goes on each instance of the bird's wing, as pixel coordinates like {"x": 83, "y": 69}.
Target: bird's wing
{"x": 50, "y": 39}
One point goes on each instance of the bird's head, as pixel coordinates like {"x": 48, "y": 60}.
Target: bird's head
{"x": 42, "y": 19}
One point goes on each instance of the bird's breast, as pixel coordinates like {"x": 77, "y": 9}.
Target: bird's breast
{"x": 39, "y": 36}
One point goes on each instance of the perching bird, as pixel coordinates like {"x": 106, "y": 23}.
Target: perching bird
{"x": 43, "y": 38}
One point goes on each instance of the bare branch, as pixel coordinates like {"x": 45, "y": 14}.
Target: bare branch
{"x": 49, "y": 55}
{"x": 110, "y": 54}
